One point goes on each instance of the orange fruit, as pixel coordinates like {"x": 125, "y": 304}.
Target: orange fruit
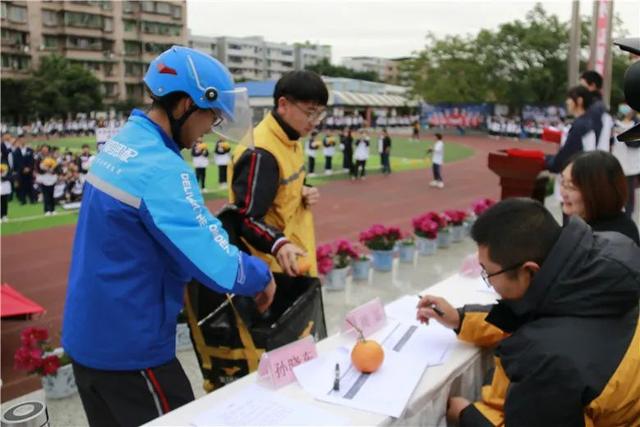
{"x": 367, "y": 356}
{"x": 303, "y": 266}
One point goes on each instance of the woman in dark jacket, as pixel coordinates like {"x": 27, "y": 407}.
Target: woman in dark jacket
{"x": 594, "y": 188}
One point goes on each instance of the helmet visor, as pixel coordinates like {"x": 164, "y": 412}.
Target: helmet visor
{"x": 237, "y": 125}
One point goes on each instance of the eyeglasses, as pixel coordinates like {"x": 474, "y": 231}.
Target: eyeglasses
{"x": 314, "y": 116}
{"x": 217, "y": 119}
{"x": 485, "y": 276}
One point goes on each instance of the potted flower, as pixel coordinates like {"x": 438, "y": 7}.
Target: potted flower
{"x": 426, "y": 231}
{"x": 381, "y": 241}
{"x": 361, "y": 265}
{"x": 334, "y": 262}
{"x": 407, "y": 249}
{"x": 456, "y": 219}
{"x": 477, "y": 208}
{"x": 36, "y": 356}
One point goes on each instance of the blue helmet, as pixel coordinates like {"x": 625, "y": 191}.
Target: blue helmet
{"x": 205, "y": 79}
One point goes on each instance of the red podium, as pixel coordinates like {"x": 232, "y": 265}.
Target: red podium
{"x": 518, "y": 171}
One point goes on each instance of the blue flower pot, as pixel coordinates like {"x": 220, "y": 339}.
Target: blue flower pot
{"x": 407, "y": 253}
{"x": 457, "y": 233}
{"x": 383, "y": 260}
{"x": 336, "y": 279}
{"x": 444, "y": 238}
{"x": 426, "y": 246}
{"x": 361, "y": 269}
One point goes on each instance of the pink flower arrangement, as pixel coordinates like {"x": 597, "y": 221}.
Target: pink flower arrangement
{"x": 481, "y": 205}
{"x": 29, "y": 357}
{"x": 338, "y": 255}
{"x": 456, "y": 217}
{"x": 424, "y": 226}
{"x": 380, "y": 238}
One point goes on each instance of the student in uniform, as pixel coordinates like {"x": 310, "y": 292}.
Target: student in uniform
{"x": 200, "y": 159}
{"x": 222, "y": 158}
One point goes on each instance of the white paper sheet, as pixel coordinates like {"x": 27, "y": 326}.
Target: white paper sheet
{"x": 409, "y": 349}
{"x": 259, "y": 406}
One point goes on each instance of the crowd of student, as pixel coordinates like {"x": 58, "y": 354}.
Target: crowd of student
{"x": 47, "y": 174}
{"x": 56, "y": 128}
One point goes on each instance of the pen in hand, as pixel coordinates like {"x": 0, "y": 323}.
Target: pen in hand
{"x": 434, "y": 308}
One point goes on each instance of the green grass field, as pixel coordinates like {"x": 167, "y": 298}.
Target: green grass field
{"x": 405, "y": 155}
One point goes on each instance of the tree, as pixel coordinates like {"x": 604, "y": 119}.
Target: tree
{"x": 60, "y": 87}
{"x": 325, "y": 68}
{"x": 13, "y": 100}
{"x": 522, "y": 62}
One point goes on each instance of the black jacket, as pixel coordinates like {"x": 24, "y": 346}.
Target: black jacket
{"x": 619, "y": 223}
{"x": 570, "y": 331}
{"x": 21, "y": 161}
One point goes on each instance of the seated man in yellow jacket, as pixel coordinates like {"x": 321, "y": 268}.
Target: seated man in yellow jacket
{"x": 565, "y": 332}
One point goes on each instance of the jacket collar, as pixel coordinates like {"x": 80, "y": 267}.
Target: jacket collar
{"x": 291, "y": 133}
{"x": 277, "y": 128}
{"x": 166, "y": 139}
{"x": 509, "y": 315}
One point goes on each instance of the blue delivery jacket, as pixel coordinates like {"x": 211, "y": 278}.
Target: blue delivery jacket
{"x": 142, "y": 234}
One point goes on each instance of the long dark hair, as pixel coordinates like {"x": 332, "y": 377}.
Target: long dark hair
{"x": 601, "y": 181}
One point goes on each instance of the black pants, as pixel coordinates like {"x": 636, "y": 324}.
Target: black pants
{"x": 222, "y": 174}
{"x": 4, "y": 205}
{"x": 437, "y": 175}
{"x": 201, "y": 175}
{"x": 386, "y": 164}
{"x": 131, "y": 398}
{"x": 47, "y": 197}
{"x": 632, "y": 181}
{"x": 312, "y": 164}
{"x": 327, "y": 162}
{"x": 361, "y": 168}
{"x": 25, "y": 189}
{"x": 347, "y": 160}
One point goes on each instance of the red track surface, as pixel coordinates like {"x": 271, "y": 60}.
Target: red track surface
{"x": 37, "y": 263}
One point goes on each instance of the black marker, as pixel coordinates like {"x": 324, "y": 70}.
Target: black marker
{"x": 336, "y": 381}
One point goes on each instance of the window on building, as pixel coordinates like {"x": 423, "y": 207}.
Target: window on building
{"x": 132, "y": 47}
{"x": 177, "y": 12}
{"x": 134, "y": 91}
{"x": 132, "y": 69}
{"x": 129, "y": 6}
{"x": 84, "y": 20}
{"x": 3, "y": 10}
{"x": 50, "y": 18}
{"x": 51, "y": 42}
{"x": 161, "y": 28}
{"x": 108, "y": 24}
{"x": 235, "y": 46}
{"x": 130, "y": 25}
{"x": 163, "y": 8}
{"x": 17, "y": 14}
{"x": 147, "y": 6}
{"x": 108, "y": 69}
{"x": 14, "y": 38}
{"x": 110, "y": 89}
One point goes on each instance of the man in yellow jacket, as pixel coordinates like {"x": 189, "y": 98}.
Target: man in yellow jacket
{"x": 565, "y": 333}
{"x": 268, "y": 182}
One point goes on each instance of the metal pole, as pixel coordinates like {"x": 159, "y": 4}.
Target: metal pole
{"x": 574, "y": 45}
{"x": 594, "y": 35}
{"x": 606, "y": 85}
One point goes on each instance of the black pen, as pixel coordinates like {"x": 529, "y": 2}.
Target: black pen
{"x": 434, "y": 308}
{"x": 336, "y": 381}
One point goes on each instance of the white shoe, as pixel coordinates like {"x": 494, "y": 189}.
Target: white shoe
{"x": 5, "y": 219}
{"x": 433, "y": 184}
{"x": 440, "y": 184}
{"x": 328, "y": 172}
{"x": 223, "y": 185}
{"x": 47, "y": 214}
{"x": 54, "y": 213}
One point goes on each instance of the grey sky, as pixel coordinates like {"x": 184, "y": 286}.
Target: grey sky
{"x": 372, "y": 28}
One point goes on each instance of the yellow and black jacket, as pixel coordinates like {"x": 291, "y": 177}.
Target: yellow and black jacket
{"x": 266, "y": 192}
{"x": 568, "y": 352}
